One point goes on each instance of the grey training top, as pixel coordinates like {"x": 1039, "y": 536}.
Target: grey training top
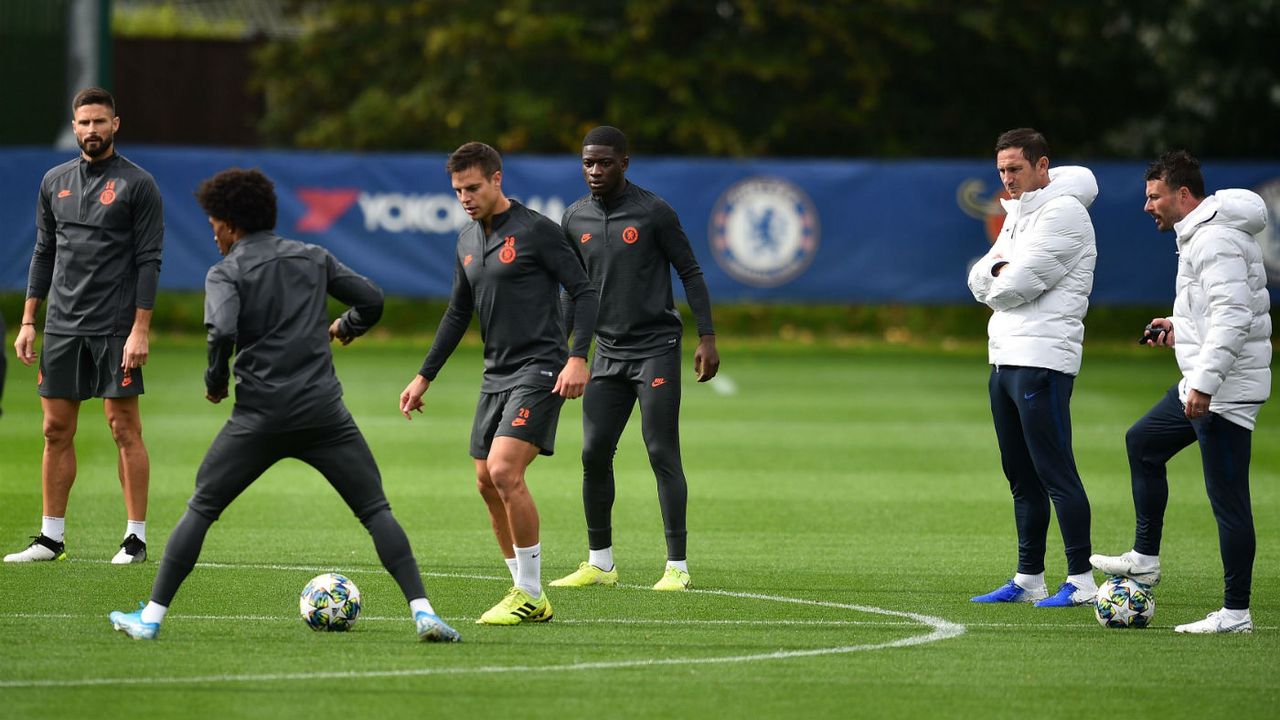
{"x": 630, "y": 242}
{"x": 99, "y": 234}
{"x": 266, "y": 300}
{"x": 511, "y": 279}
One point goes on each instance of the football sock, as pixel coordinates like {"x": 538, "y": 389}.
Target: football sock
{"x": 602, "y": 559}
{"x": 529, "y": 569}
{"x": 53, "y": 527}
{"x": 1146, "y": 561}
{"x": 153, "y": 612}
{"x": 681, "y": 565}
{"x": 1083, "y": 581}
{"x": 1234, "y": 615}
{"x": 1029, "y": 582}
{"x": 511, "y": 565}
{"x": 421, "y": 605}
{"x": 136, "y": 527}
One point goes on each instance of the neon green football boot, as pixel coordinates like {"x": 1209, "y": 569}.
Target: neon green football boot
{"x": 673, "y": 579}
{"x": 517, "y": 607}
{"x": 587, "y": 574}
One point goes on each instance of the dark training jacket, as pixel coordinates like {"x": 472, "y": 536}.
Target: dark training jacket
{"x": 266, "y": 301}
{"x": 511, "y": 279}
{"x": 99, "y": 236}
{"x": 630, "y": 243}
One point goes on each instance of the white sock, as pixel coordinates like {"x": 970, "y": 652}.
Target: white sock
{"x": 681, "y": 565}
{"x": 602, "y": 559}
{"x": 511, "y": 565}
{"x": 529, "y": 569}
{"x": 1145, "y": 560}
{"x": 53, "y": 528}
{"x": 1233, "y": 615}
{"x": 154, "y": 613}
{"x": 1029, "y": 582}
{"x": 1083, "y": 581}
{"x": 136, "y": 527}
{"x": 421, "y": 605}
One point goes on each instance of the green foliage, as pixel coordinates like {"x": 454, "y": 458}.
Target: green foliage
{"x": 165, "y": 20}
{"x": 885, "y": 78}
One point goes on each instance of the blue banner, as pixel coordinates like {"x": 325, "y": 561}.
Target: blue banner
{"x": 835, "y": 231}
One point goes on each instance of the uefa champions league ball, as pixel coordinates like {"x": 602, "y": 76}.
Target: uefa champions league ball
{"x": 1124, "y": 603}
{"x": 330, "y": 602}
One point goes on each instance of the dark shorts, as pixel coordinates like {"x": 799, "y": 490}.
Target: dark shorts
{"x": 523, "y": 412}
{"x": 79, "y": 368}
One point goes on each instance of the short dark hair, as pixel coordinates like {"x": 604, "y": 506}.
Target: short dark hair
{"x": 607, "y": 136}
{"x": 1029, "y": 141}
{"x": 245, "y": 199}
{"x": 93, "y": 96}
{"x": 473, "y": 154}
{"x": 1177, "y": 169}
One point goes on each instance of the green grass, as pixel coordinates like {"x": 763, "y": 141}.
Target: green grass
{"x": 836, "y": 487}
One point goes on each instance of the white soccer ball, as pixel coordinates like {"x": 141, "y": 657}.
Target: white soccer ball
{"x": 330, "y": 602}
{"x": 1124, "y": 603}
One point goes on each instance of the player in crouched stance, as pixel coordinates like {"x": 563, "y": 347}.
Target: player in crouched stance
{"x": 1220, "y": 332}
{"x": 266, "y": 302}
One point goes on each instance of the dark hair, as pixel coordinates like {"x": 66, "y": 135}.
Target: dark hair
{"x": 93, "y": 96}
{"x": 1029, "y": 141}
{"x": 245, "y": 199}
{"x": 474, "y": 154}
{"x": 1178, "y": 169}
{"x": 607, "y": 136}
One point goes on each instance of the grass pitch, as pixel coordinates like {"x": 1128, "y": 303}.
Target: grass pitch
{"x": 845, "y": 503}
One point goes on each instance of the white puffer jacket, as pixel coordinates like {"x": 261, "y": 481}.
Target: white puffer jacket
{"x": 1221, "y": 316}
{"x": 1041, "y": 296}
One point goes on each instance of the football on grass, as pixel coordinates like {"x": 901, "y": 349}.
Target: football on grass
{"x": 330, "y": 602}
{"x": 1124, "y": 603}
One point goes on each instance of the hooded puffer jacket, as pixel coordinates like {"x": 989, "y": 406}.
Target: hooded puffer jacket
{"x": 1041, "y": 296}
{"x": 1221, "y": 316}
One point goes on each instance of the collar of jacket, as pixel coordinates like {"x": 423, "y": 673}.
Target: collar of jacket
{"x": 1074, "y": 180}
{"x": 1236, "y": 209}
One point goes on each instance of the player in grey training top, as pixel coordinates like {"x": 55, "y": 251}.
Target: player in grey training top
{"x": 267, "y": 299}
{"x": 630, "y": 240}
{"x": 99, "y": 231}
{"x": 510, "y": 264}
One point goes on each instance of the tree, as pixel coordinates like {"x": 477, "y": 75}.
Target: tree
{"x": 886, "y": 78}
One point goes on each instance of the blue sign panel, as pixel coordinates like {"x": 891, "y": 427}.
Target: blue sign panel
{"x": 812, "y": 230}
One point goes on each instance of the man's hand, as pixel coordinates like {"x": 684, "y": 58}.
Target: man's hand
{"x": 136, "y": 349}
{"x": 706, "y": 359}
{"x": 25, "y": 345}
{"x": 572, "y": 380}
{"x": 1161, "y": 332}
{"x": 335, "y": 333}
{"x": 1197, "y": 404}
{"x": 411, "y": 398}
{"x": 215, "y": 396}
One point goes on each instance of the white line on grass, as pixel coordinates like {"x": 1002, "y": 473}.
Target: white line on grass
{"x": 941, "y": 630}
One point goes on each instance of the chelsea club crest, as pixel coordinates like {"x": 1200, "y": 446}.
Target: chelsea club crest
{"x": 764, "y": 231}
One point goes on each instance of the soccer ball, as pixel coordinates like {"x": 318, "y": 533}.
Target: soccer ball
{"x": 330, "y": 602}
{"x": 1124, "y": 603}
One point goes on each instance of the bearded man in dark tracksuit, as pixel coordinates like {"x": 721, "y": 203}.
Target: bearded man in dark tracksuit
{"x": 99, "y": 234}
{"x": 266, "y": 300}
{"x": 630, "y": 239}
{"x": 509, "y": 267}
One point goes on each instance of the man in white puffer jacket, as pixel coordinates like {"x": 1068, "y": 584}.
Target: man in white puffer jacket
{"x": 1037, "y": 278}
{"x": 1221, "y": 334}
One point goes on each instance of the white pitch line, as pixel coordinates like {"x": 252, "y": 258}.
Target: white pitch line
{"x": 941, "y": 630}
